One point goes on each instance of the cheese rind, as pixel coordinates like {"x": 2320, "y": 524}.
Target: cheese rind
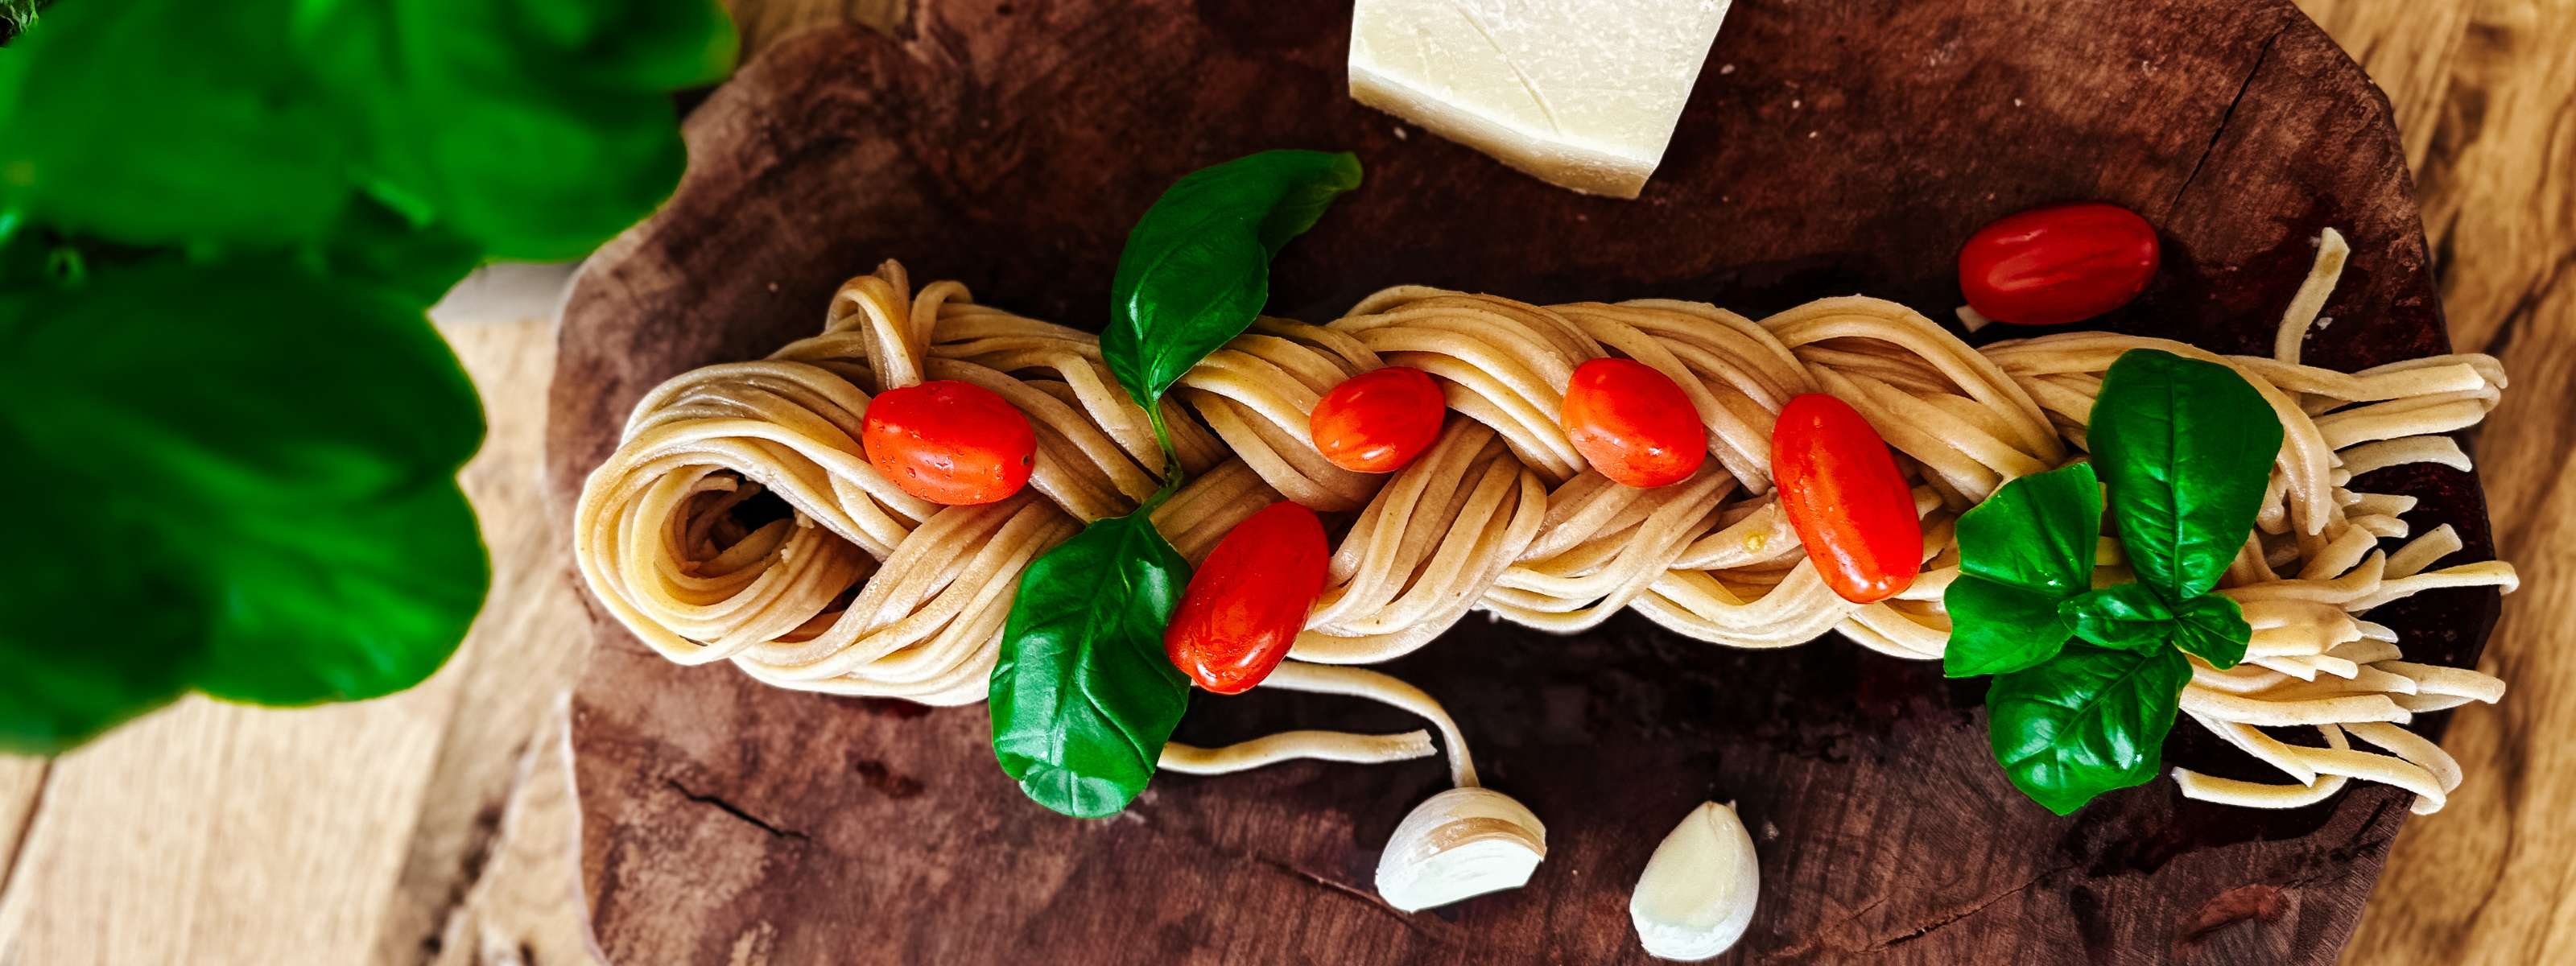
{"x": 1580, "y": 93}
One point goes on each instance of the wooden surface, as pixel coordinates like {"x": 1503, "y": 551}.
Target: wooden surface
{"x": 1012, "y": 149}
{"x": 2492, "y": 879}
{"x": 2485, "y": 96}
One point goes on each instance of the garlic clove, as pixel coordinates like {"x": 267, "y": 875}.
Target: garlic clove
{"x": 1698, "y": 891}
{"x": 1462, "y": 842}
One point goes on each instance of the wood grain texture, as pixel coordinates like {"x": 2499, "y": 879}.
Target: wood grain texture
{"x": 1011, "y": 146}
{"x": 2408, "y": 49}
{"x": 217, "y": 833}
{"x": 763, "y": 23}
{"x": 526, "y": 647}
{"x": 525, "y": 908}
{"x": 2492, "y": 880}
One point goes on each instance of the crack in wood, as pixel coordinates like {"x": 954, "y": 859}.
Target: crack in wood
{"x": 2226, "y": 117}
{"x": 1371, "y": 898}
{"x": 1892, "y": 942}
{"x": 1863, "y": 911}
{"x": 737, "y": 812}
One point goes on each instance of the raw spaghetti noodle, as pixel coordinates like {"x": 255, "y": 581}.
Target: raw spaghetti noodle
{"x": 867, "y": 590}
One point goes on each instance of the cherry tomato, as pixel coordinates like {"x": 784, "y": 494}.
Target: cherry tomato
{"x": 1376, "y": 422}
{"x": 2058, "y": 264}
{"x": 1245, "y": 605}
{"x": 949, "y": 442}
{"x": 1633, "y": 424}
{"x": 1841, "y": 490}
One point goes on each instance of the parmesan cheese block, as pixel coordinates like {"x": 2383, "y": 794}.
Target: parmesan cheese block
{"x": 1581, "y": 93}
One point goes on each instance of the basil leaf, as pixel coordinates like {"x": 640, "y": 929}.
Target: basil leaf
{"x": 373, "y": 244}
{"x": 1083, "y": 696}
{"x": 2124, "y": 615}
{"x": 56, "y": 694}
{"x": 2039, "y": 532}
{"x": 2186, "y": 447}
{"x": 1996, "y": 627}
{"x": 2088, "y": 721}
{"x": 250, "y": 477}
{"x": 535, "y": 129}
{"x": 2213, "y": 629}
{"x": 2021, "y": 553}
{"x": 1196, "y": 269}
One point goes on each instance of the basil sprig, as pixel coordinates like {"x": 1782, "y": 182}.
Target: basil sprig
{"x": 2184, "y": 448}
{"x": 1083, "y": 697}
{"x": 249, "y": 479}
{"x": 1092, "y": 696}
{"x": 1196, "y": 269}
{"x": 219, "y": 225}
{"x": 533, "y": 129}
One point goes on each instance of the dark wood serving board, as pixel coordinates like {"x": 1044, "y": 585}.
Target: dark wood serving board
{"x": 1832, "y": 146}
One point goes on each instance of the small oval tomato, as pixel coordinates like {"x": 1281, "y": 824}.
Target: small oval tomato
{"x": 2058, "y": 264}
{"x": 1377, "y": 421}
{"x": 1633, "y": 423}
{"x": 1245, "y": 605}
{"x": 1850, "y": 506}
{"x": 949, "y": 442}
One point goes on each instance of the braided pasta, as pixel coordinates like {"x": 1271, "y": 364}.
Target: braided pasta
{"x": 867, "y": 590}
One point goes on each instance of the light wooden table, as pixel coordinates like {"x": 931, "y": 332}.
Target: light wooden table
{"x": 436, "y": 826}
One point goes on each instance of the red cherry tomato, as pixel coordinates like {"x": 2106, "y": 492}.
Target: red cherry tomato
{"x": 1633, "y": 424}
{"x": 1376, "y": 422}
{"x": 1245, "y": 605}
{"x": 1842, "y": 492}
{"x": 2058, "y": 264}
{"x": 949, "y": 442}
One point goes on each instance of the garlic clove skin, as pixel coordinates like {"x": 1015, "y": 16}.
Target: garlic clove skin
{"x": 1698, "y": 891}
{"x": 1462, "y": 842}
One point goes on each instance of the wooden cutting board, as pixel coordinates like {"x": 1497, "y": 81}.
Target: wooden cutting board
{"x": 1832, "y": 146}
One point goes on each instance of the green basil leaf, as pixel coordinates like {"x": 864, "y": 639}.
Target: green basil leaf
{"x": 1998, "y": 627}
{"x": 2186, "y": 447}
{"x": 2039, "y": 532}
{"x": 2213, "y": 629}
{"x": 2021, "y": 553}
{"x": 1196, "y": 269}
{"x": 250, "y": 475}
{"x": 163, "y": 122}
{"x": 374, "y": 244}
{"x": 2123, "y": 615}
{"x": 66, "y": 681}
{"x": 536, "y": 129}
{"x": 571, "y": 142}
{"x": 2088, "y": 721}
{"x": 1083, "y": 696}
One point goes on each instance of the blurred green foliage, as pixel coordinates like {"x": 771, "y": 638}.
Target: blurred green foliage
{"x": 219, "y": 227}
{"x": 15, "y": 15}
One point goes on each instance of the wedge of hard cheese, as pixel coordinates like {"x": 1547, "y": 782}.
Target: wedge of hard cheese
{"x": 1581, "y": 93}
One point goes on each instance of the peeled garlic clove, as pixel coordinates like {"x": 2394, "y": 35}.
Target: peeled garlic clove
{"x": 1462, "y": 842}
{"x": 1698, "y": 890}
